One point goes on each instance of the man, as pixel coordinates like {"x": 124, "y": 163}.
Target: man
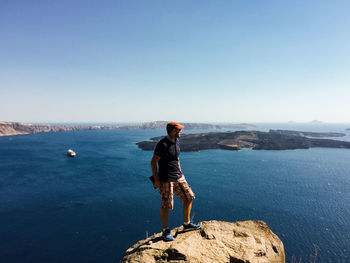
{"x": 170, "y": 179}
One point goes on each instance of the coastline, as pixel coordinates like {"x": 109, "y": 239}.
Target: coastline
{"x": 18, "y": 128}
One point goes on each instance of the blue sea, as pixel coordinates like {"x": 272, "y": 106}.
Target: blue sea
{"x": 93, "y": 207}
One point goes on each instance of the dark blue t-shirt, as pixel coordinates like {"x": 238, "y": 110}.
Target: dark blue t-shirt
{"x": 168, "y": 152}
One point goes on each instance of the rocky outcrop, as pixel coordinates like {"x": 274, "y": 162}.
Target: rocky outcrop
{"x": 255, "y": 140}
{"x": 216, "y": 242}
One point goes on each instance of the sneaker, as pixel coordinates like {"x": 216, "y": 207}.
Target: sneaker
{"x": 167, "y": 236}
{"x": 191, "y": 226}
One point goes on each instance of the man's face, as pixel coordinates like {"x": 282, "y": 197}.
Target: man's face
{"x": 176, "y": 133}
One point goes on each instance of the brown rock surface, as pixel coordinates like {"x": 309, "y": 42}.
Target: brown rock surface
{"x": 217, "y": 241}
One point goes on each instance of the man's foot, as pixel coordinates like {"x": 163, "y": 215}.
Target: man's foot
{"x": 191, "y": 226}
{"x": 167, "y": 236}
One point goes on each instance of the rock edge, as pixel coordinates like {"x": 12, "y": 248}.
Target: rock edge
{"x": 217, "y": 241}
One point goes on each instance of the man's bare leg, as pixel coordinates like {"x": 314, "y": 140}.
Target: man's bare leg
{"x": 164, "y": 217}
{"x": 187, "y": 211}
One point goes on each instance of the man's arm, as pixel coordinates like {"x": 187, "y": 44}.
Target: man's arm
{"x": 154, "y": 162}
{"x": 180, "y": 166}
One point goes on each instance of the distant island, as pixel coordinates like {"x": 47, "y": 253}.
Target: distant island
{"x": 316, "y": 122}
{"x": 348, "y": 129}
{"x": 17, "y": 128}
{"x": 237, "y": 140}
{"x": 309, "y": 134}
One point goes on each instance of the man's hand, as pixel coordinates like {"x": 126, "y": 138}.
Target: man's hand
{"x": 154, "y": 162}
{"x": 156, "y": 184}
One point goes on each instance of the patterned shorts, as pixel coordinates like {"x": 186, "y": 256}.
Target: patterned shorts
{"x": 181, "y": 189}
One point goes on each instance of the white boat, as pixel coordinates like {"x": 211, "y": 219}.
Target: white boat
{"x": 71, "y": 153}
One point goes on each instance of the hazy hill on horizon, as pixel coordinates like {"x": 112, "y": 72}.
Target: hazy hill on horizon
{"x": 17, "y": 128}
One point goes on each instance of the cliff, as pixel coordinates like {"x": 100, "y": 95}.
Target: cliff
{"x": 17, "y": 128}
{"x": 255, "y": 140}
{"x": 161, "y": 125}
{"x": 216, "y": 242}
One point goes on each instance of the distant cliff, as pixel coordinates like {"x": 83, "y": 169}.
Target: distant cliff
{"x": 161, "y": 125}
{"x": 216, "y": 242}
{"x": 255, "y": 140}
{"x": 17, "y": 128}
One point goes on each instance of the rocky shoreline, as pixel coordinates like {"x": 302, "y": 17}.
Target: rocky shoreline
{"x": 255, "y": 140}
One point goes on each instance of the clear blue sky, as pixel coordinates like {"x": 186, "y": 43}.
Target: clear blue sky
{"x": 213, "y": 61}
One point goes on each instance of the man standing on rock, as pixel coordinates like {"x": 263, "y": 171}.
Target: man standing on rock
{"x": 169, "y": 178}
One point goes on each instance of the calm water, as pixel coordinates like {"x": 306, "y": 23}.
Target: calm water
{"x": 93, "y": 207}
